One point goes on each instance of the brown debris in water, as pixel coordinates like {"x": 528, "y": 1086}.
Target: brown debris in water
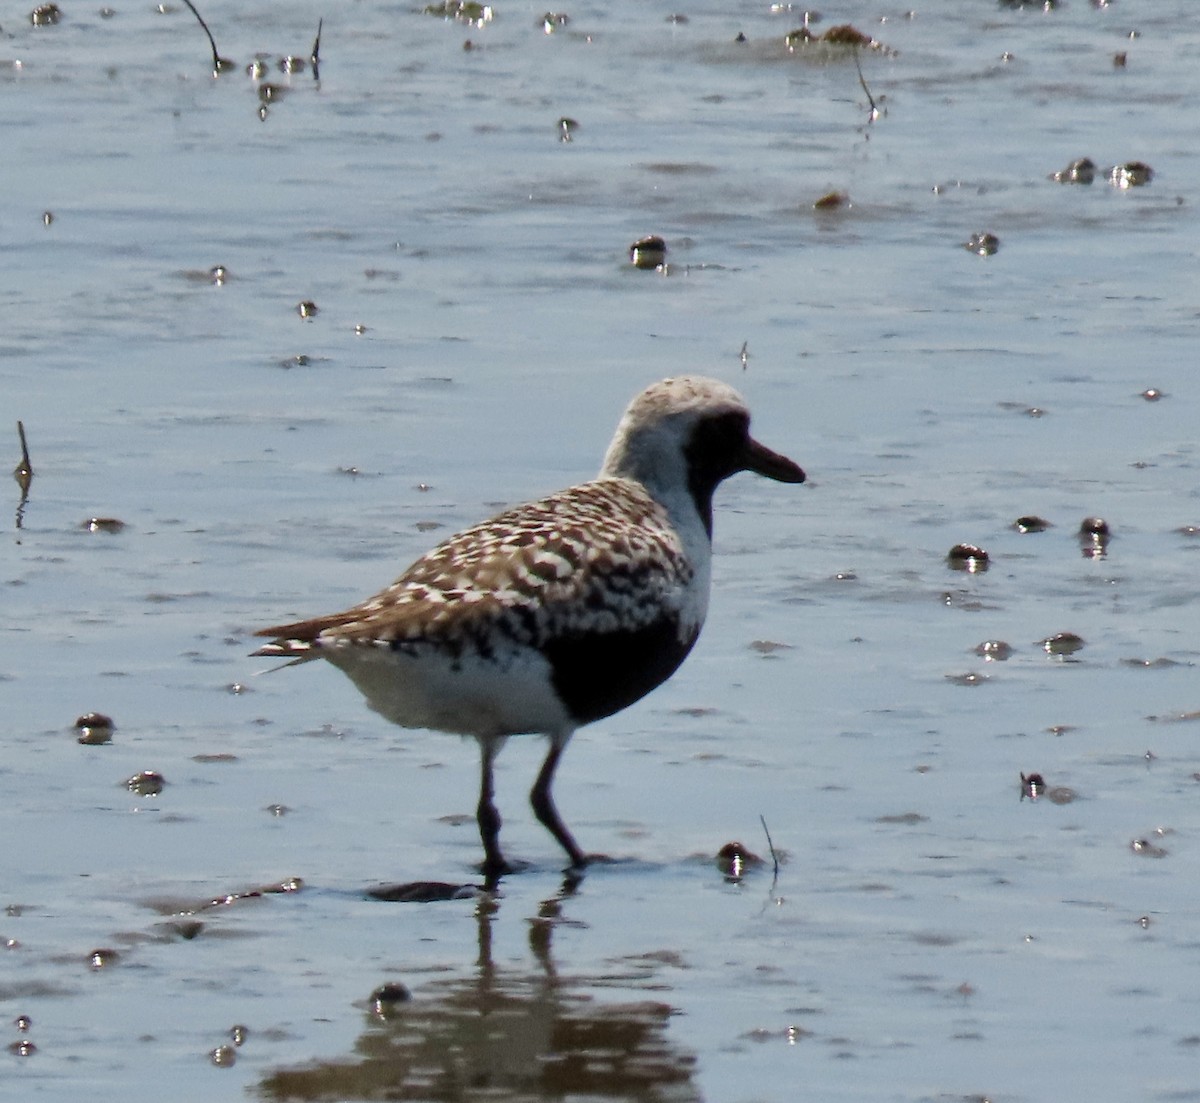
{"x": 845, "y": 34}
{"x": 175, "y": 906}
{"x": 832, "y": 201}
{"x": 422, "y": 892}
{"x": 769, "y": 647}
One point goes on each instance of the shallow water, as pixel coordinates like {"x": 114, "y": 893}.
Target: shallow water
{"x": 930, "y": 934}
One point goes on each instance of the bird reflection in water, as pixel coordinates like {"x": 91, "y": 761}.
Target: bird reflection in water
{"x": 508, "y": 1033}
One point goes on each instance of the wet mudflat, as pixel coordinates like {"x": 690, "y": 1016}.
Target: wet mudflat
{"x": 269, "y": 345}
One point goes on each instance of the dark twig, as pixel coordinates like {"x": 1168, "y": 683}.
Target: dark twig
{"x": 774, "y": 857}
{"x": 23, "y": 473}
{"x": 862, "y": 80}
{"x": 316, "y": 51}
{"x": 220, "y": 64}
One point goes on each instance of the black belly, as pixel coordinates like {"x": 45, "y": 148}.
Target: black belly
{"x": 597, "y": 675}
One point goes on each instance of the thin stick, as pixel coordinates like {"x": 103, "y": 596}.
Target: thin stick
{"x": 24, "y": 470}
{"x": 316, "y": 50}
{"x": 863, "y": 82}
{"x": 220, "y": 64}
{"x": 774, "y": 857}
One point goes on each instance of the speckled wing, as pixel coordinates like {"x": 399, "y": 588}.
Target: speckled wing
{"x": 601, "y": 557}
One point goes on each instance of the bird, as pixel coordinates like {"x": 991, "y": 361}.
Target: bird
{"x": 558, "y": 612}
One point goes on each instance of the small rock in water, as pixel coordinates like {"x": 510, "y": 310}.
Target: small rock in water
{"x": 994, "y": 650}
{"x": 1031, "y": 523}
{"x": 1132, "y": 174}
{"x": 1032, "y": 786}
{"x": 45, "y": 15}
{"x": 94, "y": 720}
{"x": 95, "y": 729}
{"x": 223, "y": 1057}
{"x": 1094, "y": 534}
{"x": 1146, "y": 849}
{"x": 387, "y": 998}
{"x": 1082, "y": 171}
{"x": 984, "y": 244}
{"x": 1062, "y": 643}
{"x": 146, "y": 783}
{"x": 103, "y": 524}
{"x": 733, "y": 859}
{"x": 103, "y": 958}
{"x": 968, "y": 557}
{"x": 648, "y": 252}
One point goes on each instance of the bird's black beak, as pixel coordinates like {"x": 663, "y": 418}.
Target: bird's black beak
{"x": 762, "y": 461}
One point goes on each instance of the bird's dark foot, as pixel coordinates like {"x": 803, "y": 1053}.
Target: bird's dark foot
{"x": 493, "y": 868}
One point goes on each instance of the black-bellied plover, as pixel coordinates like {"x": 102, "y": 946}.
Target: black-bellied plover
{"x": 557, "y": 612}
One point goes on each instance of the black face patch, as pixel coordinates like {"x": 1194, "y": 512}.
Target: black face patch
{"x": 598, "y": 674}
{"x": 716, "y": 451}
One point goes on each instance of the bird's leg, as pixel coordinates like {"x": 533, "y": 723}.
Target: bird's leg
{"x": 487, "y": 814}
{"x": 543, "y": 803}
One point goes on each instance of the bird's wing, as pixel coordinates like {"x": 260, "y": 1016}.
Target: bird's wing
{"x": 602, "y": 555}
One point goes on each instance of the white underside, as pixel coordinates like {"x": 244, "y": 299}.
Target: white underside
{"x": 510, "y": 695}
